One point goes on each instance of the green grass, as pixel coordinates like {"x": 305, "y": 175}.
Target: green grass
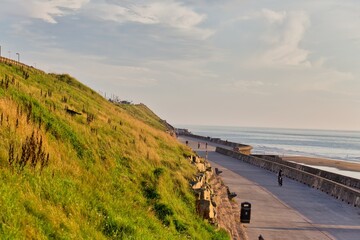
{"x": 119, "y": 176}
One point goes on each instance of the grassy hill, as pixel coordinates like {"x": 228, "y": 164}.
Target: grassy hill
{"x": 76, "y": 166}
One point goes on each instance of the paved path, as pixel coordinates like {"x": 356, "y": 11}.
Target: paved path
{"x": 293, "y": 211}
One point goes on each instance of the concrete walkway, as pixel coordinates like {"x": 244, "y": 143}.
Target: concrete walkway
{"x": 293, "y": 211}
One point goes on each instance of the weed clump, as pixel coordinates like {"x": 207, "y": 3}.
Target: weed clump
{"x": 32, "y": 154}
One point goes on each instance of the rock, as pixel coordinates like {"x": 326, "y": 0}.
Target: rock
{"x": 199, "y": 181}
{"x": 195, "y": 159}
{"x": 197, "y": 185}
{"x": 200, "y": 167}
{"x": 205, "y": 194}
{"x": 216, "y": 200}
{"x": 205, "y": 209}
{"x": 208, "y": 175}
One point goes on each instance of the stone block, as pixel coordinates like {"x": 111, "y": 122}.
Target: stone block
{"x": 208, "y": 175}
{"x": 195, "y": 159}
{"x": 205, "y": 194}
{"x": 197, "y": 185}
{"x": 205, "y": 209}
{"x": 200, "y": 167}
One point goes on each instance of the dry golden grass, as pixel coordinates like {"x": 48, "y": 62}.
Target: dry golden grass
{"x": 100, "y": 174}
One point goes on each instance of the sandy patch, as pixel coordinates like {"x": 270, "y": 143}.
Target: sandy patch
{"x": 342, "y": 165}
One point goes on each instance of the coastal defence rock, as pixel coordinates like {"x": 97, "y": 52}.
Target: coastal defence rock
{"x": 227, "y": 211}
{"x": 214, "y": 202}
{"x": 199, "y": 181}
{"x": 205, "y": 209}
{"x": 201, "y": 167}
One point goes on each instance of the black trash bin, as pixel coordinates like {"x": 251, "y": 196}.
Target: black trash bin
{"x": 245, "y": 212}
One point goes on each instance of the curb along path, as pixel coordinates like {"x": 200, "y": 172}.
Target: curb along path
{"x": 293, "y": 211}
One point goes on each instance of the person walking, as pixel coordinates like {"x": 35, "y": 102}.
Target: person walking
{"x": 280, "y": 179}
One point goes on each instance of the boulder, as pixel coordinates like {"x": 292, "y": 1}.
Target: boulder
{"x": 205, "y": 209}
{"x": 208, "y": 175}
{"x": 200, "y": 167}
{"x": 205, "y": 194}
{"x": 195, "y": 159}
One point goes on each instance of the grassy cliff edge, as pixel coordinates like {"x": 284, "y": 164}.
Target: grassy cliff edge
{"x": 76, "y": 166}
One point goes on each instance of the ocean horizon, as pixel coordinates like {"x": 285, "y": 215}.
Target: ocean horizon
{"x": 333, "y": 144}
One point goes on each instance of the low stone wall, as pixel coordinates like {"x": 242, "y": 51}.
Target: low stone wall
{"x": 244, "y": 149}
{"x": 345, "y": 180}
{"x": 335, "y": 189}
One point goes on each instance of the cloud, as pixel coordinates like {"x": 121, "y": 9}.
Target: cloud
{"x": 42, "y": 9}
{"x": 48, "y": 10}
{"x": 272, "y": 16}
{"x": 269, "y": 15}
{"x": 286, "y": 49}
{"x": 166, "y": 13}
{"x": 283, "y": 36}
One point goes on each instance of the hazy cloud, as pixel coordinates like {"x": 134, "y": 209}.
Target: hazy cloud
{"x": 281, "y": 55}
{"x": 166, "y": 13}
{"x": 287, "y": 50}
{"x": 42, "y": 9}
{"x": 272, "y": 16}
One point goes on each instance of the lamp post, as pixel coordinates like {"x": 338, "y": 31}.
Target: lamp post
{"x": 18, "y": 54}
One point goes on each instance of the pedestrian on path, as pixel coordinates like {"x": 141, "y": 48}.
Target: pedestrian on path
{"x": 280, "y": 177}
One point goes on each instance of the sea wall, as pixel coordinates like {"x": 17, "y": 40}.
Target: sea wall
{"x": 340, "y": 191}
{"x": 345, "y": 180}
{"x": 244, "y": 149}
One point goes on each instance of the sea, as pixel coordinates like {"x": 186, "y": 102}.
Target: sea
{"x": 331, "y": 144}
{"x": 339, "y": 145}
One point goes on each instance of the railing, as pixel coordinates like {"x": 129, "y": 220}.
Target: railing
{"x": 244, "y": 148}
{"x": 13, "y": 62}
{"x": 335, "y": 189}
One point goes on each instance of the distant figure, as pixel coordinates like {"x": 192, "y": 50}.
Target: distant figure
{"x": 198, "y": 144}
{"x": 187, "y": 142}
{"x": 206, "y": 155}
{"x": 280, "y": 177}
{"x": 261, "y": 237}
{"x": 206, "y": 145}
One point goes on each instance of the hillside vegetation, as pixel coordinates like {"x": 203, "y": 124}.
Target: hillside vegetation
{"x": 76, "y": 166}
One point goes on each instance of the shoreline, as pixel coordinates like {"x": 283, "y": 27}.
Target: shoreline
{"x": 276, "y": 212}
{"x": 325, "y": 162}
{"x": 312, "y": 161}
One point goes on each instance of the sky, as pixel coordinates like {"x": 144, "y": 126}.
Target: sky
{"x": 264, "y": 63}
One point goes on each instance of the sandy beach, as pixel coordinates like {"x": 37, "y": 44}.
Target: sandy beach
{"x": 339, "y": 164}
